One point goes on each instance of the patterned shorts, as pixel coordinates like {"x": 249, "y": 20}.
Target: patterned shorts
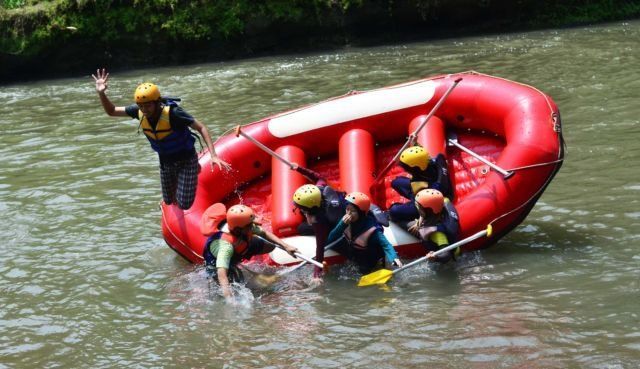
{"x": 179, "y": 182}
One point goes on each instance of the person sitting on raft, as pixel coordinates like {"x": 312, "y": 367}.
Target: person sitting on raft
{"x": 224, "y": 250}
{"x": 425, "y": 172}
{"x": 322, "y": 207}
{"x": 364, "y": 242}
{"x": 437, "y": 224}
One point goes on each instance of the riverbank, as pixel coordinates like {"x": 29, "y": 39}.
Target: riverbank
{"x": 40, "y": 39}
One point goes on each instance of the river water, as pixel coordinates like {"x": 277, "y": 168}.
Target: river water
{"x": 86, "y": 280}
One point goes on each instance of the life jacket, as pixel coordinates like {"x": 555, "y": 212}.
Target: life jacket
{"x": 241, "y": 248}
{"x": 437, "y": 175}
{"x": 449, "y": 224}
{"x": 448, "y": 227}
{"x": 362, "y": 240}
{"x": 163, "y": 138}
{"x": 333, "y": 204}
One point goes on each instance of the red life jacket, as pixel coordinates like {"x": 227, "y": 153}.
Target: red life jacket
{"x": 240, "y": 246}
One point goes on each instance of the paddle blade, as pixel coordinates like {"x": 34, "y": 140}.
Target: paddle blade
{"x": 378, "y": 277}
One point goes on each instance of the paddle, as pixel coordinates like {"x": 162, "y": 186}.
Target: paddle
{"x": 263, "y": 147}
{"x": 383, "y": 275}
{"x": 297, "y": 254}
{"x": 453, "y": 140}
{"x": 328, "y": 247}
{"x": 413, "y": 136}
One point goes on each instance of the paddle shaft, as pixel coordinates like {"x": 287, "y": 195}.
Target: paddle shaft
{"x": 450, "y": 247}
{"x": 414, "y": 134}
{"x": 297, "y": 254}
{"x": 504, "y": 173}
{"x": 328, "y": 247}
{"x": 263, "y": 147}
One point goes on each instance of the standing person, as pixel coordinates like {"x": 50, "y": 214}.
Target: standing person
{"x": 224, "y": 250}
{"x": 426, "y": 172}
{"x": 166, "y": 126}
{"x": 437, "y": 226}
{"x": 364, "y": 242}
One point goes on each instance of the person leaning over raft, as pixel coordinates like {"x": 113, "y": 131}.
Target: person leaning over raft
{"x": 224, "y": 250}
{"x": 425, "y": 172}
{"x": 166, "y": 126}
{"x": 437, "y": 225}
{"x": 364, "y": 242}
{"x": 322, "y": 207}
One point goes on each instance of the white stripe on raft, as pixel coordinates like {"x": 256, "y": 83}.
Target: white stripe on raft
{"x": 307, "y": 244}
{"x": 351, "y": 107}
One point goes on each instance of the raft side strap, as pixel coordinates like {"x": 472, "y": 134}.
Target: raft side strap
{"x": 536, "y": 165}
{"x": 535, "y": 195}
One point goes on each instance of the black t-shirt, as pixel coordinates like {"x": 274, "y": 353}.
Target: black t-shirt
{"x": 179, "y": 119}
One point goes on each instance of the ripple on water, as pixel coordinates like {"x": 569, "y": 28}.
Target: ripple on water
{"x": 85, "y": 282}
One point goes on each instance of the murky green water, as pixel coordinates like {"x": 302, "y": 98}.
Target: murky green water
{"x": 87, "y": 282}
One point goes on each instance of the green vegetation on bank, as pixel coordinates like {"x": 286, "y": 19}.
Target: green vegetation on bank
{"x": 71, "y": 35}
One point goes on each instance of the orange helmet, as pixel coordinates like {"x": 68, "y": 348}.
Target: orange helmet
{"x": 430, "y": 199}
{"x": 146, "y": 92}
{"x": 360, "y": 200}
{"x": 239, "y": 216}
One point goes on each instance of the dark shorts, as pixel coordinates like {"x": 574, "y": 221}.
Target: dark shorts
{"x": 179, "y": 181}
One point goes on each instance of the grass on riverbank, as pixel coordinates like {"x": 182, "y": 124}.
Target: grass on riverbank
{"x": 76, "y": 34}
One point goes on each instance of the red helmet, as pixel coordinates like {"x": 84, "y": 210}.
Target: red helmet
{"x": 239, "y": 216}
{"x": 360, "y": 200}
{"x": 430, "y": 199}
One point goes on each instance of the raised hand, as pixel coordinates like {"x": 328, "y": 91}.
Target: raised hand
{"x": 101, "y": 78}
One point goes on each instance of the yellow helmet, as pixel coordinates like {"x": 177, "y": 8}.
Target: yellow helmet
{"x": 146, "y": 92}
{"x": 415, "y": 156}
{"x": 307, "y": 196}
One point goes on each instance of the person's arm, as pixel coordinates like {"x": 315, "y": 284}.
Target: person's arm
{"x": 204, "y": 132}
{"x": 389, "y": 253}
{"x": 223, "y": 260}
{"x": 273, "y": 238}
{"x": 101, "y": 77}
{"x": 311, "y": 175}
{"x": 337, "y": 231}
{"x": 223, "y": 279}
{"x": 320, "y": 229}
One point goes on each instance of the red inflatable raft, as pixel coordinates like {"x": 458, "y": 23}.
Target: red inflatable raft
{"x": 349, "y": 138}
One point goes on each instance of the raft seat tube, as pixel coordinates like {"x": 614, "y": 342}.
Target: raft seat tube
{"x": 433, "y": 136}
{"x": 356, "y": 150}
{"x": 284, "y": 182}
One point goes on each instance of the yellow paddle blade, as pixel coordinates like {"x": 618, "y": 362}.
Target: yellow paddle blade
{"x": 378, "y": 277}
